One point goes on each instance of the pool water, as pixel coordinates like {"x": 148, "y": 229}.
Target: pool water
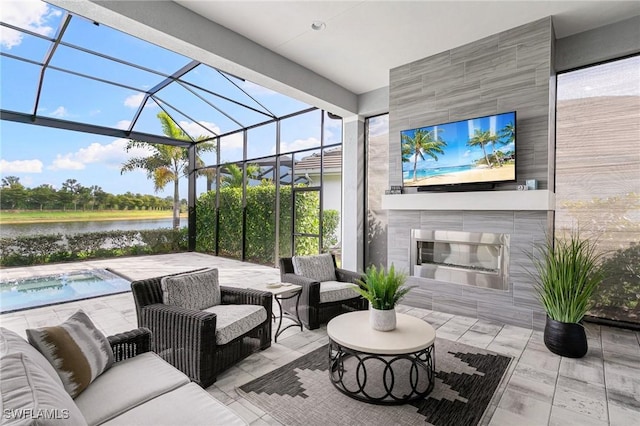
{"x": 28, "y": 293}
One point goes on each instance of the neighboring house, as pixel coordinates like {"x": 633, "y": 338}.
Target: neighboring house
{"x": 309, "y": 167}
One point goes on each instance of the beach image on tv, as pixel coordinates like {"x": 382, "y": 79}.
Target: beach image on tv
{"x": 469, "y": 151}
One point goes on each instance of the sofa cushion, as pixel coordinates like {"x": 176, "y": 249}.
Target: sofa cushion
{"x": 31, "y": 396}
{"x": 128, "y": 384}
{"x": 235, "y": 320}
{"x": 193, "y": 290}
{"x": 332, "y": 291}
{"x": 12, "y": 343}
{"x": 77, "y": 350}
{"x": 318, "y": 267}
{"x": 186, "y": 405}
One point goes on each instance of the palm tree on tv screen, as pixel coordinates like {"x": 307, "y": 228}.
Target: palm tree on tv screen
{"x": 424, "y": 142}
{"x": 166, "y": 163}
{"x": 482, "y": 138}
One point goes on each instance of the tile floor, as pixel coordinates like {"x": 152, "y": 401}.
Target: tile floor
{"x": 602, "y": 388}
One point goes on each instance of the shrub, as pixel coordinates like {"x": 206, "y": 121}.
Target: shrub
{"x": 38, "y": 249}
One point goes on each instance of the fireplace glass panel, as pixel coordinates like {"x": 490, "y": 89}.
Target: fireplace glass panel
{"x": 478, "y": 259}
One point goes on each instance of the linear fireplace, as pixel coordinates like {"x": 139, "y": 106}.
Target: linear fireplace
{"x": 479, "y": 259}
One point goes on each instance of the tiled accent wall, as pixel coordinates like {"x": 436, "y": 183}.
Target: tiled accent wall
{"x": 504, "y": 72}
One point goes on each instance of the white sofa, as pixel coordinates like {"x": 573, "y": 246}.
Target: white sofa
{"x": 139, "y": 389}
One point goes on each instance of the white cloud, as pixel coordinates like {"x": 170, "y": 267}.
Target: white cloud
{"x": 31, "y": 15}
{"x": 377, "y": 125}
{"x": 20, "y": 166}
{"x": 298, "y": 144}
{"x": 111, "y": 155}
{"x": 232, "y": 141}
{"x": 196, "y": 130}
{"x": 59, "y": 112}
{"x": 134, "y": 101}
{"x": 123, "y": 124}
{"x": 65, "y": 162}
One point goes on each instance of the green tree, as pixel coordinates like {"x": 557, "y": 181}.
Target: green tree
{"x": 43, "y": 195}
{"x": 71, "y": 189}
{"x": 505, "y": 136}
{"x": 482, "y": 138}
{"x": 13, "y": 193}
{"x": 232, "y": 176}
{"x": 424, "y": 142}
{"x": 165, "y": 163}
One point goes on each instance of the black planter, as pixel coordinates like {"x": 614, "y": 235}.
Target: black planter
{"x": 565, "y": 338}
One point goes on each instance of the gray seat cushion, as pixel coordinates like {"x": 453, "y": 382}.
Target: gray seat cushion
{"x": 187, "y": 405}
{"x": 235, "y": 320}
{"x": 128, "y": 384}
{"x": 317, "y": 267}
{"x": 333, "y": 291}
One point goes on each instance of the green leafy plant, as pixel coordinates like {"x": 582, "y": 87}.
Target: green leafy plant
{"x": 568, "y": 272}
{"x": 383, "y": 290}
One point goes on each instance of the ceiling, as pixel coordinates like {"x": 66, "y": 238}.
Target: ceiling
{"x": 363, "y": 40}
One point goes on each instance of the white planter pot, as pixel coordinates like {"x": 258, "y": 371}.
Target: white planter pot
{"x": 382, "y": 320}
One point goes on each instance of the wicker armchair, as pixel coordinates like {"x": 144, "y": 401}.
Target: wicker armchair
{"x": 312, "y": 312}
{"x": 130, "y": 343}
{"x": 187, "y": 338}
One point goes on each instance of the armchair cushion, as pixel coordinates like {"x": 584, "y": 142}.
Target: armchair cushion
{"x": 317, "y": 267}
{"x": 333, "y": 291}
{"x": 193, "y": 290}
{"x": 76, "y": 349}
{"x": 236, "y": 320}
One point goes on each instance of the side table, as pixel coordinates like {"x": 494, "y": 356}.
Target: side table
{"x": 285, "y": 291}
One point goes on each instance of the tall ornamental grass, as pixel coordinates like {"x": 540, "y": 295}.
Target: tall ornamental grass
{"x": 383, "y": 289}
{"x": 568, "y": 272}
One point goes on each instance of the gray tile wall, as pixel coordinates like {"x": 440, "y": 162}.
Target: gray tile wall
{"x": 508, "y": 71}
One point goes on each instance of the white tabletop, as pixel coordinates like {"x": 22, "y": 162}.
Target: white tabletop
{"x": 281, "y": 289}
{"x": 353, "y": 331}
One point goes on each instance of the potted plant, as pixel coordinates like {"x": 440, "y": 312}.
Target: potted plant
{"x": 383, "y": 290}
{"x": 568, "y": 271}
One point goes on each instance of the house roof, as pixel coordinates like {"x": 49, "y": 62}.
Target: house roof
{"x": 332, "y": 162}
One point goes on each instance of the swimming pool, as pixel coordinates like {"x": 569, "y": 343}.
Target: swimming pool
{"x": 16, "y": 295}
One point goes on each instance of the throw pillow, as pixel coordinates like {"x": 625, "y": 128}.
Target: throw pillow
{"x": 193, "y": 290}
{"x": 76, "y": 349}
{"x": 317, "y": 267}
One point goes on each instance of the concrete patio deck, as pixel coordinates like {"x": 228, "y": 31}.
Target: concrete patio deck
{"x": 601, "y": 389}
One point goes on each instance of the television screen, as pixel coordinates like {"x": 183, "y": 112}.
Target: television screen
{"x": 463, "y": 152}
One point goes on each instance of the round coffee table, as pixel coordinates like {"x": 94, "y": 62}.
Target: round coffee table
{"x": 381, "y": 367}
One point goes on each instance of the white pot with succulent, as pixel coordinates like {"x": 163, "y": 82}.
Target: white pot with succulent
{"x": 383, "y": 291}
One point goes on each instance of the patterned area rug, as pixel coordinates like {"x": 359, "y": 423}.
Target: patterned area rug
{"x": 300, "y": 393}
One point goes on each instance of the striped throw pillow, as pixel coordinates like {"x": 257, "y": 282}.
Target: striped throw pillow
{"x": 76, "y": 349}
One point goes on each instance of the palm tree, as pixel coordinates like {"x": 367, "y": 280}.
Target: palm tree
{"x": 505, "y": 136}
{"x": 166, "y": 163}
{"x": 423, "y": 142}
{"x": 234, "y": 176}
{"x": 482, "y": 138}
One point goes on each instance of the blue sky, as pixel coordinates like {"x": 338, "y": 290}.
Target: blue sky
{"x": 40, "y": 155}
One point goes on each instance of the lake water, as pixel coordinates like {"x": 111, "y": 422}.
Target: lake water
{"x": 70, "y": 228}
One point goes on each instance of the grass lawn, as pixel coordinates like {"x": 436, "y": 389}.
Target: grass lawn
{"x": 36, "y": 216}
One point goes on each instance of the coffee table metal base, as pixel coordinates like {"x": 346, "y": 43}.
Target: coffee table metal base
{"x": 349, "y": 374}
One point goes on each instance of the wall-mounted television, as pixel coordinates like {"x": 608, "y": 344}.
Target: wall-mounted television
{"x": 479, "y": 150}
